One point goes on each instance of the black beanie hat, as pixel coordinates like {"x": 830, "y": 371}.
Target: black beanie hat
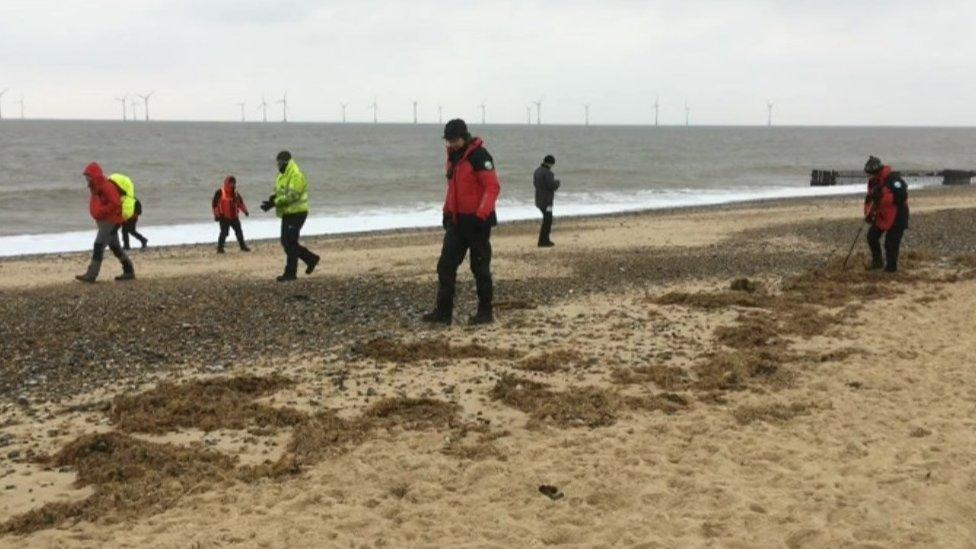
{"x": 284, "y": 156}
{"x": 549, "y": 159}
{"x": 456, "y": 128}
{"x": 873, "y": 165}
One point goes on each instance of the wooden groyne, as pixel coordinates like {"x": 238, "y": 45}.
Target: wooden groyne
{"x": 824, "y": 178}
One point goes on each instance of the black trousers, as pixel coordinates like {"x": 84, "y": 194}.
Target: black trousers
{"x": 291, "y": 228}
{"x": 225, "y": 226}
{"x": 129, "y": 227}
{"x": 467, "y": 234}
{"x": 892, "y": 244}
{"x": 546, "y": 224}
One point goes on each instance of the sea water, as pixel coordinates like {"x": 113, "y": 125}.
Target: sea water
{"x": 365, "y": 177}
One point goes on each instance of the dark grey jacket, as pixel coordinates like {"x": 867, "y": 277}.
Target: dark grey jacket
{"x": 545, "y": 186}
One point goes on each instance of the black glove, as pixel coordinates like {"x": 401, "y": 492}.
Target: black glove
{"x": 216, "y": 218}
{"x": 266, "y": 205}
{"x": 447, "y": 221}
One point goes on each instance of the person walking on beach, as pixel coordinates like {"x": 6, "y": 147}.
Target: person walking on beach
{"x": 886, "y": 209}
{"x": 131, "y": 208}
{"x": 469, "y": 214}
{"x": 290, "y": 201}
{"x": 546, "y": 185}
{"x": 129, "y": 228}
{"x": 105, "y": 206}
{"x": 227, "y": 202}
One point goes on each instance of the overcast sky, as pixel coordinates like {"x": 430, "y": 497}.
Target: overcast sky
{"x": 856, "y": 63}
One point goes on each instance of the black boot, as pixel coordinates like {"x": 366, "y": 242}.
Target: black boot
{"x": 442, "y": 314}
{"x": 286, "y": 278}
{"x": 484, "y": 316}
{"x": 310, "y": 266}
{"x": 220, "y": 249}
{"x": 244, "y": 248}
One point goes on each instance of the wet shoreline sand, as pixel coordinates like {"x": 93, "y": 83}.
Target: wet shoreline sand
{"x": 666, "y": 408}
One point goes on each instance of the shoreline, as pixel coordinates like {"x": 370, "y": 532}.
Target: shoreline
{"x": 401, "y": 231}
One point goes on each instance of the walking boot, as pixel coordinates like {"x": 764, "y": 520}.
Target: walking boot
{"x": 220, "y": 249}
{"x": 145, "y": 242}
{"x": 310, "y": 266}
{"x": 484, "y": 316}
{"x": 286, "y": 278}
{"x": 128, "y": 272}
{"x": 442, "y": 314}
{"x": 547, "y": 244}
{"x": 92, "y": 273}
{"x": 244, "y": 248}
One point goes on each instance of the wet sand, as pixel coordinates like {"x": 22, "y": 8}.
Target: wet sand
{"x": 808, "y": 407}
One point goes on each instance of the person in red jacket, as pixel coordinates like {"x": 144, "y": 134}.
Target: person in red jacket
{"x": 227, "y": 202}
{"x": 105, "y": 206}
{"x": 469, "y": 214}
{"x": 886, "y": 209}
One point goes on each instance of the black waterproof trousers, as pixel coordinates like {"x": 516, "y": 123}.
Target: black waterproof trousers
{"x": 546, "y": 225}
{"x": 129, "y": 228}
{"x": 225, "y": 226}
{"x": 291, "y": 228}
{"x": 469, "y": 233}
{"x": 891, "y": 245}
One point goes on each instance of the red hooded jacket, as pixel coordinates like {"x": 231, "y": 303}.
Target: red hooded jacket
{"x": 227, "y": 201}
{"x": 886, "y": 201}
{"x": 105, "y": 203}
{"x": 472, "y": 184}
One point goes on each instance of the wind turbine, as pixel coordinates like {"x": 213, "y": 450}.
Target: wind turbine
{"x": 145, "y": 99}
{"x": 586, "y": 114}
{"x": 538, "y": 112}
{"x": 135, "y": 112}
{"x": 241, "y": 105}
{"x": 483, "y": 106}
{"x": 375, "y": 107}
{"x": 687, "y": 113}
{"x": 343, "y": 105}
{"x": 414, "y": 111}
{"x": 284, "y": 107}
{"x": 528, "y": 113}
{"x": 21, "y": 107}
{"x": 440, "y": 114}
{"x": 122, "y": 100}
{"x": 657, "y": 108}
{"x": 263, "y": 107}
{"x": 5, "y": 90}
{"x": 769, "y": 109}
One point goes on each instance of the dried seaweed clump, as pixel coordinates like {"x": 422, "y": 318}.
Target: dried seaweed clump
{"x": 390, "y": 350}
{"x": 210, "y": 404}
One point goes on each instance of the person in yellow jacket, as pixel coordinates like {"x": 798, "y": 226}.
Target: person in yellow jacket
{"x": 290, "y": 201}
{"x": 131, "y": 209}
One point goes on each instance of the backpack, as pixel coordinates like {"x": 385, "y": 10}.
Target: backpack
{"x": 128, "y": 191}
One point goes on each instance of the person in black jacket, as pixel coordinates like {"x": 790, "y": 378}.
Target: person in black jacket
{"x": 886, "y": 210}
{"x": 545, "y": 189}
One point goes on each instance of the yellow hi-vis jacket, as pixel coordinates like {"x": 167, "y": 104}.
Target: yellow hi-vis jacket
{"x": 127, "y": 190}
{"x": 291, "y": 191}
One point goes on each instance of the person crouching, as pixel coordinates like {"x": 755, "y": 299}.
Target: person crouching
{"x": 886, "y": 209}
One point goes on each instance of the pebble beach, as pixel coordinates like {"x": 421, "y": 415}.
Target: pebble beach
{"x": 693, "y": 377}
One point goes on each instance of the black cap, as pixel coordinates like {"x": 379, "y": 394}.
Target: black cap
{"x": 873, "y": 165}
{"x": 549, "y": 159}
{"x": 456, "y": 128}
{"x": 284, "y": 156}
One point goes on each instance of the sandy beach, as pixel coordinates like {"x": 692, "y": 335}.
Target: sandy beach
{"x": 705, "y": 377}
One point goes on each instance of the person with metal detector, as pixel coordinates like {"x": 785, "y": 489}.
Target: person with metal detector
{"x": 886, "y": 210}
{"x": 469, "y": 214}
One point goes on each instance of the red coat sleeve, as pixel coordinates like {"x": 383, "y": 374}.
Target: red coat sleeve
{"x": 489, "y": 181}
{"x": 241, "y": 205}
